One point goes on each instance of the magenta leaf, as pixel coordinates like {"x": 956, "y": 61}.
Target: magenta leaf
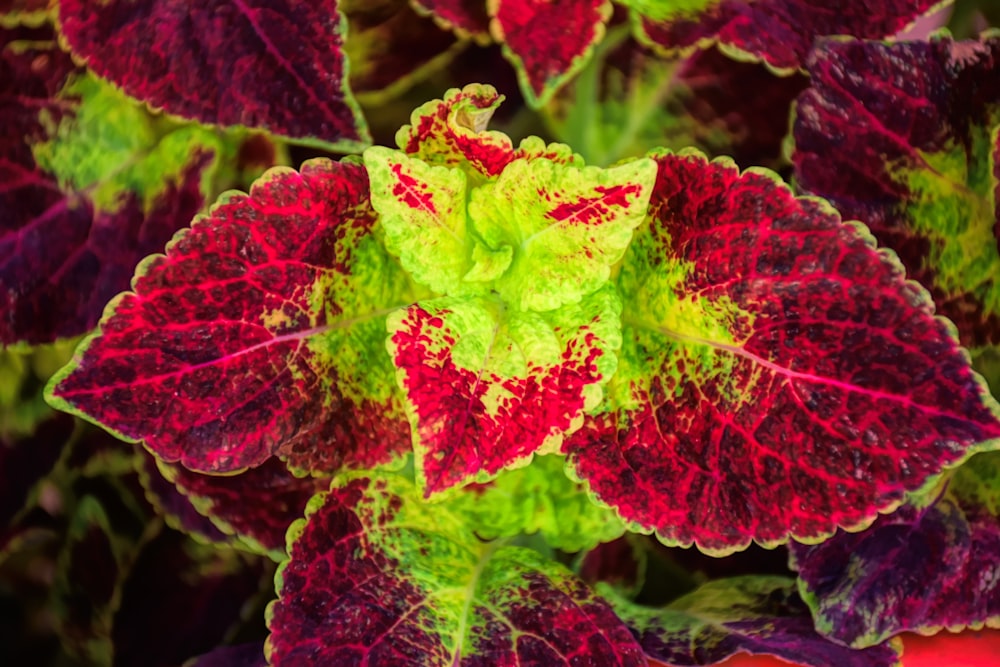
{"x": 377, "y": 577}
{"x": 175, "y": 508}
{"x": 922, "y": 568}
{"x": 466, "y": 17}
{"x": 88, "y": 187}
{"x": 259, "y": 333}
{"x": 277, "y": 66}
{"x": 772, "y": 357}
{"x": 256, "y": 506}
{"x": 548, "y": 42}
{"x": 779, "y": 32}
{"x": 759, "y": 615}
{"x": 917, "y": 165}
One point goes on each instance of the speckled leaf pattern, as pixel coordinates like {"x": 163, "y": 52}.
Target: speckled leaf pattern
{"x": 771, "y": 358}
{"x": 560, "y": 228}
{"x": 89, "y": 185}
{"x": 918, "y": 164}
{"x": 259, "y": 333}
{"x": 423, "y": 215}
{"x": 922, "y": 568}
{"x": 779, "y": 32}
{"x": 487, "y": 386}
{"x": 538, "y": 498}
{"x": 256, "y": 506}
{"x": 759, "y": 615}
{"x": 277, "y": 66}
{"x": 376, "y": 576}
{"x": 548, "y": 42}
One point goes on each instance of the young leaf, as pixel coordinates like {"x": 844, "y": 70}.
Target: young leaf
{"x": 376, "y": 576}
{"x": 759, "y": 615}
{"x": 276, "y": 66}
{"x": 779, "y": 32}
{"x": 259, "y": 333}
{"x": 564, "y": 227}
{"x": 488, "y": 386}
{"x": 919, "y": 569}
{"x": 538, "y": 498}
{"x": 917, "y": 165}
{"x": 547, "y": 42}
{"x": 91, "y": 183}
{"x": 771, "y": 358}
{"x": 423, "y": 215}
{"x": 256, "y": 506}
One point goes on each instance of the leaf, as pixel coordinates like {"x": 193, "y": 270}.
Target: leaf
{"x": 547, "y": 42}
{"x": 565, "y": 227}
{"x": 256, "y": 506}
{"x": 177, "y": 511}
{"x": 260, "y": 333}
{"x": 91, "y": 183}
{"x": 465, "y": 17}
{"x": 379, "y": 577}
{"x": 390, "y": 47}
{"x": 487, "y": 386}
{"x": 771, "y": 357}
{"x": 917, "y": 165}
{"x": 923, "y": 568}
{"x": 759, "y": 615}
{"x": 779, "y": 32}
{"x": 538, "y": 498}
{"x": 273, "y": 66}
{"x": 423, "y": 215}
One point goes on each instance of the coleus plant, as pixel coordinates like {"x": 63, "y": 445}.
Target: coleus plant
{"x": 421, "y": 377}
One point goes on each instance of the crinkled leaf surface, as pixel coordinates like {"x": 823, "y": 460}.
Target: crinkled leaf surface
{"x": 89, "y": 184}
{"x": 538, "y": 498}
{"x": 921, "y": 568}
{"x": 562, "y": 225}
{"x": 277, "y": 66}
{"x": 260, "y": 332}
{"x": 771, "y": 358}
{"x": 256, "y": 506}
{"x": 547, "y": 42}
{"x": 904, "y": 138}
{"x": 779, "y": 32}
{"x": 378, "y": 576}
{"x": 487, "y": 386}
{"x": 755, "y": 614}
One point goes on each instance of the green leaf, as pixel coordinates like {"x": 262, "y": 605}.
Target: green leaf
{"x": 567, "y": 226}
{"x": 423, "y": 215}
{"x": 538, "y": 498}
